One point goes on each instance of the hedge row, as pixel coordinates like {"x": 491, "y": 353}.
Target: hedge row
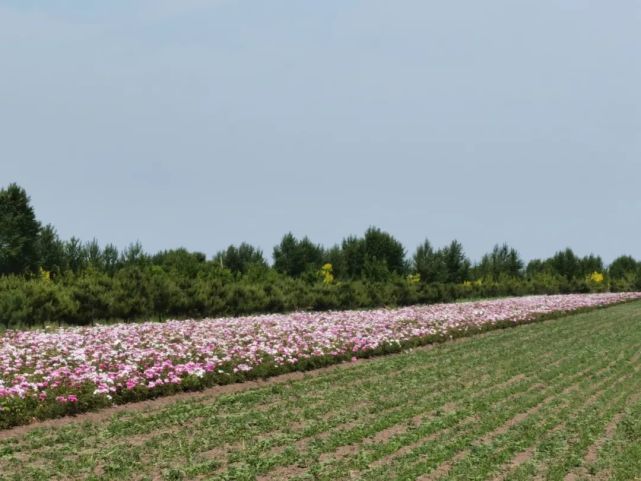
{"x": 144, "y": 293}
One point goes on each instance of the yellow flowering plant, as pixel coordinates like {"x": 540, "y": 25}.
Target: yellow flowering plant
{"x": 327, "y": 273}
{"x": 45, "y": 275}
{"x": 596, "y": 278}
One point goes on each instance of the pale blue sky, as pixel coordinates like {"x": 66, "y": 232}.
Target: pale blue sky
{"x": 204, "y": 123}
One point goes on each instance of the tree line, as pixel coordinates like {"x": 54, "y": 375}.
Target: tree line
{"x": 45, "y": 279}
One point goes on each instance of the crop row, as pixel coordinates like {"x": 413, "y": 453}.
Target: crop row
{"x": 44, "y": 374}
{"x": 544, "y": 401}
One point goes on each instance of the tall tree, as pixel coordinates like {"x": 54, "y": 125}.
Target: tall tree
{"x": 75, "y": 255}
{"x": 110, "y": 258}
{"x": 502, "y": 261}
{"x": 536, "y": 266}
{"x": 181, "y": 262}
{"x": 334, "y": 256}
{"x": 384, "y": 248}
{"x": 19, "y": 232}
{"x": 376, "y": 255}
{"x": 95, "y": 258}
{"x": 51, "y": 250}
{"x": 353, "y": 250}
{"x": 241, "y": 259}
{"x": 623, "y": 267}
{"x": 133, "y": 255}
{"x": 295, "y": 257}
{"x": 428, "y": 263}
{"x": 457, "y": 265}
{"x": 590, "y": 264}
{"x": 565, "y": 263}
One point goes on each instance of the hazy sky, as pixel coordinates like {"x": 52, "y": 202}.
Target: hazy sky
{"x": 204, "y": 123}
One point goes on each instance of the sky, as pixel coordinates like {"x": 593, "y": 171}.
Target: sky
{"x": 205, "y": 123}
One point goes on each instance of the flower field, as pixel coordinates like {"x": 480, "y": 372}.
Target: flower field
{"x": 51, "y": 373}
{"x": 558, "y": 400}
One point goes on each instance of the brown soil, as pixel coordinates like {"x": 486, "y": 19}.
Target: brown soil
{"x": 447, "y": 408}
{"x": 444, "y": 468}
{"x": 209, "y": 393}
{"x": 592, "y": 454}
{"x": 281, "y": 473}
{"x": 340, "y": 453}
{"x": 215, "y": 391}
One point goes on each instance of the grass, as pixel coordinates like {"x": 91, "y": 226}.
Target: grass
{"x": 557, "y": 400}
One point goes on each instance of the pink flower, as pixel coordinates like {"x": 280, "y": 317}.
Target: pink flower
{"x": 115, "y": 358}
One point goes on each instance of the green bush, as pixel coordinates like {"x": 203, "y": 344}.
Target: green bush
{"x": 145, "y": 292}
{"x": 49, "y": 302}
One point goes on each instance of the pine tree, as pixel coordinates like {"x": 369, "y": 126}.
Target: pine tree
{"x": 19, "y": 232}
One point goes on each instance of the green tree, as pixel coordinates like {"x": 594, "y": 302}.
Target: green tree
{"x": 384, "y": 248}
{"x": 428, "y": 263}
{"x": 241, "y": 259}
{"x": 623, "y": 267}
{"x": 19, "y": 232}
{"x": 49, "y": 302}
{"x": 590, "y": 264}
{"x": 535, "y": 267}
{"x": 335, "y": 256}
{"x": 14, "y": 305}
{"x": 132, "y": 296}
{"x": 91, "y": 290}
{"x": 180, "y": 262}
{"x": 75, "y": 255}
{"x": 565, "y": 263}
{"x": 502, "y": 261}
{"x": 210, "y": 296}
{"x": 95, "y": 258}
{"x": 165, "y": 296}
{"x": 51, "y": 250}
{"x": 457, "y": 265}
{"x": 353, "y": 250}
{"x": 295, "y": 257}
{"x": 110, "y": 259}
{"x": 374, "y": 256}
{"x": 134, "y": 255}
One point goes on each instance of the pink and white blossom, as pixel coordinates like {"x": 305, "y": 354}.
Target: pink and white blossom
{"x": 121, "y": 357}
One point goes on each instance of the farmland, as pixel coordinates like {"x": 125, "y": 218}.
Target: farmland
{"x": 558, "y": 400}
{"x": 66, "y": 371}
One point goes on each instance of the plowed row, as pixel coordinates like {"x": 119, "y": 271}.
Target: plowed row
{"x": 558, "y": 400}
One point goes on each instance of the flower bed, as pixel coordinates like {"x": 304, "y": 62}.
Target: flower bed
{"x": 45, "y": 374}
